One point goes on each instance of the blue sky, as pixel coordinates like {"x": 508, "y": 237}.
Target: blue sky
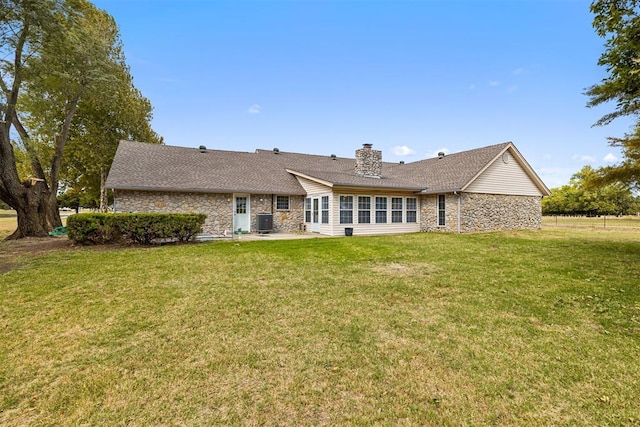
{"x": 410, "y": 77}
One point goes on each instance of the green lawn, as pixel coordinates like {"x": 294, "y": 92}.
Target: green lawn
{"x": 513, "y": 328}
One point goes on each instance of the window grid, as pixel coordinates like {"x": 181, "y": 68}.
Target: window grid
{"x": 325, "y": 209}
{"x": 441, "y": 210}
{"x": 381, "y": 210}
{"x": 364, "y": 209}
{"x": 412, "y": 210}
{"x": 346, "y": 209}
{"x": 282, "y": 203}
{"x": 396, "y": 209}
{"x": 307, "y": 209}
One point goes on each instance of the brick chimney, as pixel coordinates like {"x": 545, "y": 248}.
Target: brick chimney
{"x": 368, "y": 162}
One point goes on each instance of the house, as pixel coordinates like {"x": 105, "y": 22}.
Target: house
{"x": 489, "y": 188}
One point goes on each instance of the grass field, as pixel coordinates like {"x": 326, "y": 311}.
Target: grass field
{"x": 519, "y": 328}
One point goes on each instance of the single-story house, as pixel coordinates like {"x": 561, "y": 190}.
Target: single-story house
{"x": 489, "y": 188}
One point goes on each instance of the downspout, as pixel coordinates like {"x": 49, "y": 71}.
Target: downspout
{"x": 459, "y": 207}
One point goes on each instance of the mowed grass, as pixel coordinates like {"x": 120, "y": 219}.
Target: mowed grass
{"x": 511, "y": 328}
{"x": 8, "y": 222}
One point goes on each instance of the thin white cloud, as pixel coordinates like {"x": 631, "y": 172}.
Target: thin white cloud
{"x": 610, "y": 158}
{"x": 436, "y": 152}
{"x": 255, "y": 109}
{"x": 518, "y": 71}
{"x": 403, "y": 150}
{"x": 512, "y": 88}
{"x": 584, "y": 158}
{"x": 472, "y": 87}
{"x": 494, "y": 83}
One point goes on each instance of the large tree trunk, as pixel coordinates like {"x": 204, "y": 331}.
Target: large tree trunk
{"x": 36, "y": 215}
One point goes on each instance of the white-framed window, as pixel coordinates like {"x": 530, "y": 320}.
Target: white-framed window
{"x": 307, "y": 209}
{"x": 396, "y": 209}
{"x": 346, "y": 209}
{"x": 282, "y": 203}
{"x": 325, "y": 210}
{"x": 364, "y": 209}
{"x": 441, "y": 210}
{"x": 381, "y": 210}
{"x": 412, "y": 210}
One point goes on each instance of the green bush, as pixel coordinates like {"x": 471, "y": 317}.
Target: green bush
{"x": 142, "y": 228}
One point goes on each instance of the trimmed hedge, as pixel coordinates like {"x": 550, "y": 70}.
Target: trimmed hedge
{"x": 142, "y": 228}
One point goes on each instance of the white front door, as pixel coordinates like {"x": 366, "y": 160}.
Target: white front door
{"x": 241, "y": 213}
{"x": 315, "y": 215}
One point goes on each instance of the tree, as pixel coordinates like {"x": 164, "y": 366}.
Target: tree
{"x": 63, "y": 54}
{"x": 581, "y": 198}
{"x": 619, "y": 22}
{"x": 100, "y": 124}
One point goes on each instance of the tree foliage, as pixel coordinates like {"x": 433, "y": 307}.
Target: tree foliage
{"x": 579, "y": 197}
{"x": 618, "y": 21}
{"x": 64, "y": 81}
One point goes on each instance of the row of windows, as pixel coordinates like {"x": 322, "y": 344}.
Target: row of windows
{"x": 364, "y": 209}
{"x": 401, "y": 208}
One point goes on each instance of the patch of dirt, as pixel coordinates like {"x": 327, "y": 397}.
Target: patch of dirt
{"x": 12, "y": 251}
{"x": 404, "y": 269}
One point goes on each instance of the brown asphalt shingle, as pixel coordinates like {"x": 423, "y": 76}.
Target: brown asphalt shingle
{"x": 143, "y": 166}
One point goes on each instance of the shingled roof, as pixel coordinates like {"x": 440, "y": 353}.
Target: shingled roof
{"x": 153, "y": 167}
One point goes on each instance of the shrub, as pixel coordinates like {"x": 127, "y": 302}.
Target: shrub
{"x": 142, "y": 228}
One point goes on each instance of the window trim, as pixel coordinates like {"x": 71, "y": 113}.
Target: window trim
{"x": 345, "y": 210}
{"x": 414, "y": 211}
{"x": 324, "y": 211}
{"x": 380, "y": 211}
{"x": 364, "y": 212}
{"x": 288, "y": 208}
{"x": 441, "y": 209}
{"x": 307, "y": 210}
{"x": 401, "y": 210}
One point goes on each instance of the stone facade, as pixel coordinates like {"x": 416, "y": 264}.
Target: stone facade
{"x": 368, "y": 161}
{"x": 283, "y": 220}
{"x": 482, "y": 212}
{"x": 479, "y": 212}
{"x": 217, "y": 207}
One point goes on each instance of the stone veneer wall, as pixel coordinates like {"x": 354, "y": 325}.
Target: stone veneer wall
{"x": 368, "y": 161}
{"x": 429, "y": 213}
{"x": 283, "y": 221}
{"x": 217, "y": 207}
{"x": 482, "y": 212}
{"x": 488, "y": 212}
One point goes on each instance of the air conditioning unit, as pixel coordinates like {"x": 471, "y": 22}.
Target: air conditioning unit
{"x": 265, "y": 222}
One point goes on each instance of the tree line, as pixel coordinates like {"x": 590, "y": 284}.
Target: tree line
{"x": 581, "y": 197}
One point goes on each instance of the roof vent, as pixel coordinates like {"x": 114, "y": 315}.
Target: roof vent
{"x": 276, "y": 150}
{"x": 333, "y": 156}
{"x": 402, "y": 162}
{"x": 441, "y": 154}
{"x": 203, "y": 149}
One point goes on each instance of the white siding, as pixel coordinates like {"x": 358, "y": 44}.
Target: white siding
{"x": 312, "y": 187}
{"x": 505, "y": 178}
